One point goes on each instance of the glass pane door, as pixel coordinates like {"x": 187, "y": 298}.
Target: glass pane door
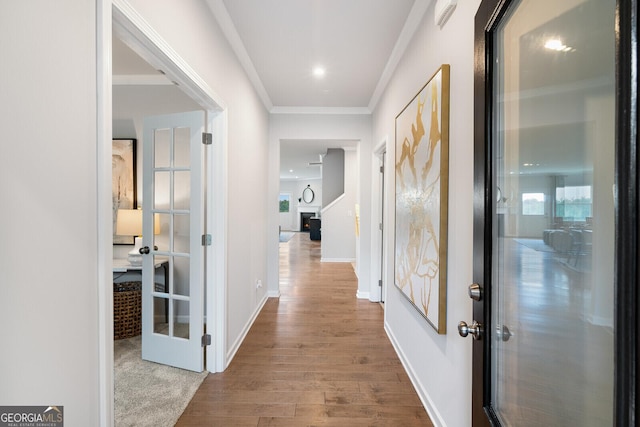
{"x": 552, "y": 161}
{"x": 173, "y": 311}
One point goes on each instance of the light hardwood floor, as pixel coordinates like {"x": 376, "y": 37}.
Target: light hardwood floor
{"x": 316, "y": 356}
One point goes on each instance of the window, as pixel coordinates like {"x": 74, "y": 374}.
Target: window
{"x": 573, "y": 203}
{"x": 532, "y": 203}
{"x": 284, "y": 202}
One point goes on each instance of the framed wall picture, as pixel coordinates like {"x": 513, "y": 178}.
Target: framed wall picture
{"x": 123, "y": 163}
{"x": 421, "y": 173}
{"x": 285, "y": 202}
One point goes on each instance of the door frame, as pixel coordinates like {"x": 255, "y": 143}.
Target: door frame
{"x": 378, "y": 205}
{"x": 137, "y": 33}
{"x": 627, "y": 270}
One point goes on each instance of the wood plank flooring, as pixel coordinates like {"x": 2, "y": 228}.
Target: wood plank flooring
{"x": 316, "y": 356}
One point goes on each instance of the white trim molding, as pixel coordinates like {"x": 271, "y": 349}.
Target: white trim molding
{"x": 337, "y": 260}
{"x": 136, "y": 33}
{"x": 426, "y": 400}
{"x": 406, "y": 35}
{"x": 233, "y": 349}
{"x": 221, "y": 14}
{"x": 104, "y": 203}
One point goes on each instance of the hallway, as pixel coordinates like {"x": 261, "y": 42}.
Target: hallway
{"x": 315, "y": 356}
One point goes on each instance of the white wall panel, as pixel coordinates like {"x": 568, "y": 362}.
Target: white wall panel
{"x": 48, "y": 182}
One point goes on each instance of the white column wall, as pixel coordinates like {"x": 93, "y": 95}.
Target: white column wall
{"x": 439, "y": 365}
{"x": 48, "y": 186}
{"x": 338, "y": 219}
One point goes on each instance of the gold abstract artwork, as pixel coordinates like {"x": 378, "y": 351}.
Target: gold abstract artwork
{"x": 421, "y": 172}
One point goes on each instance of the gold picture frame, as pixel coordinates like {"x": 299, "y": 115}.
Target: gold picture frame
{"x": 421, "y": 205}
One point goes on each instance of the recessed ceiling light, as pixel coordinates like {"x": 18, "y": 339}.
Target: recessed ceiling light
{"x": 290, "y": 170}
{"x": 319, "y": 72}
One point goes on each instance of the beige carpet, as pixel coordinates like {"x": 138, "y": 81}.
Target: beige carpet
{"x": 147, "y": 393}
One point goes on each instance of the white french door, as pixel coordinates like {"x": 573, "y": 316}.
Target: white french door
{"x": 172, "y": 309}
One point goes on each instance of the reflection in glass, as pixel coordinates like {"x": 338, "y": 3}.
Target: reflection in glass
{"x": 162, "y": 148}
{"x": 161, "y": 197}
{"x": 182, "y": 148}
{"x": 552, "y": 272}
{"x": 182, "y": 190}
{"x": 161, "y": 240}
{"x": 160, "y": 325}
{"x": 181, "y": 277}
{"x": 181, "y": 319}
{"x": 181, "y": 235}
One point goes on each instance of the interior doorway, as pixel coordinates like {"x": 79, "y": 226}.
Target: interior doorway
{"x": 184, "y": 85}
{"x": 118, "y": 23}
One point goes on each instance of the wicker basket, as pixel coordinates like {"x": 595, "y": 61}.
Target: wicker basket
{"x": 127, "y": 310}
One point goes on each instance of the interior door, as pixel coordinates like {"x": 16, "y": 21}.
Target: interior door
{"x": 383, "y": 202}
{"x": 544, "y": 217}
{"x": 172, "y": 310}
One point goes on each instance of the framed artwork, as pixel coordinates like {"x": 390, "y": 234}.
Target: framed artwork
{"x": 123, "y": 163}
{"x": 285, "y": 202}
{"x": 421, "y": 173}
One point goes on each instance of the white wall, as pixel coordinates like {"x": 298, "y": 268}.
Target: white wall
{"x": 440, "y": 365}
{"x": 353, "y": 127}
{"x": 338, "y": 218}
{"x": 48, "y": 269}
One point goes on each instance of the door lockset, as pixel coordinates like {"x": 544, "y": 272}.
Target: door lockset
{"x": 475, "y": 292}
{"x": 475, "y": 330}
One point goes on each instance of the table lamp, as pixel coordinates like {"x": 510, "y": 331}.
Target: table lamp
{"x": 129, "y": 223}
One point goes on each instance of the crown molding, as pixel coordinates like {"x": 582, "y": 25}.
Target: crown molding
{"x": 221, "y": 15}
{"x": 135, "y": 32}
{"x": 321, "y": 110}
{"x": 411, "y": 25}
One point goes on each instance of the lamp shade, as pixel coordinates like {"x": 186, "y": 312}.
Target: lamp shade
{"x": 129, "y": 222}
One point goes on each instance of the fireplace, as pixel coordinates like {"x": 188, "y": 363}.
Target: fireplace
{"x": 304, "y": 220}
{"x": 304, "y": 213}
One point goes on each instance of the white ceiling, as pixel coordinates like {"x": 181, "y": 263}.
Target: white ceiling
{"x": 285, "y": 39}
{"x": 279, "y": 42}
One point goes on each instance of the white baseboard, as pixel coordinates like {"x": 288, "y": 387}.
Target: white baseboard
{"x": 428, "y": 404}
{"x": 273, "y": 294}
{"x": 605, "y": 322}
{"x": 236, "y": 345}
{"x": 362, "y": 295}
{"x": 337, "y": 260}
